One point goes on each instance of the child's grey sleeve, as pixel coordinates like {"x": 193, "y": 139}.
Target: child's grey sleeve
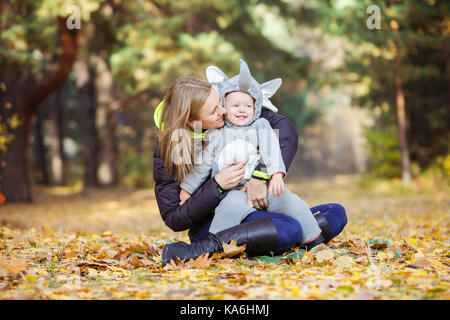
{"x": 201, "y": 171}
{"x": 269, "y": 147}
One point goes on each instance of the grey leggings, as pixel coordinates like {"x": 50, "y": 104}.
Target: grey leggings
{"x": 234, "y": 208}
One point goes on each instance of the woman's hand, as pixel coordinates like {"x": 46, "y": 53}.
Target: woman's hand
{"x": 276, "y": 186}
{"x": 230, "y": 177}
{"x": 256, "y": 194}
{"x": 184, "y": 195}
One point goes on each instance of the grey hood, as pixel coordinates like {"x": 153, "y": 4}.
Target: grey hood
{"x": 246, "y": 83}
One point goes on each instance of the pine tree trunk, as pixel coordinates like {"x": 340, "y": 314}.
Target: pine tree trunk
{"x": 58, "y": 160}
{"x": 90, "y": 142}
{"x": 14, "y": 179}
{"x": 402, "y": 120}
{"x": 107, "y": 125}
{"x": 39, "y": 152}
{"x": 109, "y": 169}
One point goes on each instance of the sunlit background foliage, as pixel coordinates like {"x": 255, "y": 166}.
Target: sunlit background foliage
{"x": 338, "y": 80}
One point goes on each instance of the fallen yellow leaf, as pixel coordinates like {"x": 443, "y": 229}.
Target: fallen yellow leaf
{"x": 232, "y": 249}
{"x": 30, "y": 277}
{"x": 344, "y": 262}
{"x": 324, "y": 256}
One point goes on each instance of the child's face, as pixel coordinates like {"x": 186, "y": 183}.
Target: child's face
{"x": 240, "y": 108}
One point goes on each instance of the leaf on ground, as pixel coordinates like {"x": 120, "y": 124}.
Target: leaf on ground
{"x": 42, "y": 255}
{"x": 30, "y": 277}
{"x": 358, "y": 250}
{"x": 135, "y": 261}
{"x": 324, "y": 256}
{"x": 287, "y": 260}
{"x": 308, "y": 258}
{"x": 335, "y": 243}
{"x": 70, "y": 254}
{"x": 47, "y": 232}
{"x": 112, "y": 254}
{"x": 91, "y": 264}
{"x": 385, "y": 283}
{"x": 248, "y": 262}
{"x": 319, "y": 247}
{"x": 12, "y": 264}
{"x": 201, "y": 261}
{"x": 236, "y": 277}
{"x": 232, "y": 249}
{"x": 363, "y": 260}
{"x": 217, "y": 255}
{"x": 125, "y": 255}
{"x": 137, "y": 248}
{"x": 176, "y": 264}
{"x": 344, "y": 262}
{"x": 419, "y": 263}
{"x": 153, "y": 251}
{"x": 107, "y": 233}
{"x": 379, "y": 246}
{"x": 149, "y": 263}
{"x": 235, "y": 292}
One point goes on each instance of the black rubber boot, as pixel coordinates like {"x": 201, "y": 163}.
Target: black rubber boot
{"x": 308, "y": 246}
{"x": 323, "y": 225}
{"x": 260, "y": 236}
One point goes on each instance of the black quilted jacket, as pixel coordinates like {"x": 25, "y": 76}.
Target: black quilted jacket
{"x": 198, "y": 209}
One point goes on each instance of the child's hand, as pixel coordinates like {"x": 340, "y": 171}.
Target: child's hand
{"x": 184, "y": 195}
{"x": 276, "y": 186}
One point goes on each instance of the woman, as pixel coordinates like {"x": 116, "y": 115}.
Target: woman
{"x": 190, "y": 101}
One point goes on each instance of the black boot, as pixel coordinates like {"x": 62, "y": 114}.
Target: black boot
{"x": 308, "y": 246}
{"x": 323, "y": 225}
{"x": 260, "y": 236}
{"x": 324, "y": 237}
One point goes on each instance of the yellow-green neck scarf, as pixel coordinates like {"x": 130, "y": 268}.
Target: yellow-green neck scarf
{"x": 160, "y": 125}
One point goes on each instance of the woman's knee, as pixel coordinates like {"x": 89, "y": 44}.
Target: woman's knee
{"x": 339, "y": 214}
{"x": 289, "y": 231}
{"x": 335, "y": 216}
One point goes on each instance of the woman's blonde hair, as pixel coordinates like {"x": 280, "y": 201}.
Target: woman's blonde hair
{"x": 182, "y": 103}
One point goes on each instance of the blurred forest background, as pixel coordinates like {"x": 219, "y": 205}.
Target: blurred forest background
{"x": 77, "y": 96}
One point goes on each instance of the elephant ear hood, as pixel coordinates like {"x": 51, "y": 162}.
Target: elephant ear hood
{"x": 244, "y": 82}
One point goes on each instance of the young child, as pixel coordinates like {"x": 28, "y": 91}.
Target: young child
{"x": 247, "y": 138}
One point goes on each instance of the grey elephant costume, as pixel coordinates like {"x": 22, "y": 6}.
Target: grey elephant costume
{"x": 254, "y": 142}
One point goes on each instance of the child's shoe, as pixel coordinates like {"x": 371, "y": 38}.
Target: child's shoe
{"x": 313, "y": 243}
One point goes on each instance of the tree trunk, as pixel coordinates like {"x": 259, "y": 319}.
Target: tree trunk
{"x": 58, "y": 161}
{"x": 39, "y": 152}
{"x": 402, "y": 120}
{"x": 15, "y": 183}
{"x": 85, "y": 76}
{"x": 107, "y": 125}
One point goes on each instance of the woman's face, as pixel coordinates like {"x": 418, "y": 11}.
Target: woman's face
{"x": 212, "y": 112}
